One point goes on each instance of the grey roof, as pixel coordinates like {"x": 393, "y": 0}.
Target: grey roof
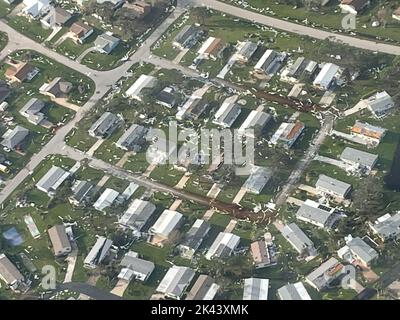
{"x": 98, "y": 252}
{"x": 326, "y": 75}
{"x": 5, "y": 91}
{"x": 361, "y": 249}
{"x": 137, "y": 214}
{"x": 321, "y": 277}
{"x": 106, "y": 42}
{"x": 336, "y": 186}
{"x": 266, "y": 60}
{"x": 195, "y": 236}
{"x": 8, "y": 271}
{"x": 255, "y": 120}
{"x": 13, "y": 138}
{"x": 176, "y": 281}
{"x": 51, "y": 180}
{"x": 105, "y": 125}
{"x": 106, "y": 199}
{"x": 298, "y": 239}
{"x": 32, "y": 109}
{"x": 167, "y": 96}
{"x": 293, "y": 291}
{"x": 380, "y": 102}
{"x": 228, "y": 112}
{"x": 357, "y": 156}
{"x": 223, "y": 245}
{"x": 257, "y": 179}
{"x": 255, "y": 289}
{"x": 33, "y": 106}
{"x": 187, "y": 34}
{"x": 389, "y": 228}
{"x": 132, "y": 138}
{"x": 81, "y": 190}
{"x": 57, "y": 16}
{"x": 136, "y": 264}
{"x": 248, "y": 49}
{"x": 298, "y": 67}
{"x": 59, "y": 238}
{"x": 201, "y": 288}
{"x": 315, "y": 214}
{"x": 58, "y": 87}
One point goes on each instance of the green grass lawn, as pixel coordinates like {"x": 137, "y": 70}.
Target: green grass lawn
{"x": 108, "y": 151}
{"x": 166, "y": 174}
{"x": 5, "y": 9}
{"x": 56, "y": 114}
{"x": 3, "y": 40}
{"x": 83, "y": 87}
{"x": 73, "y": 50}
{"x": 101, "y": 61}
{"x": 328, "y": 17}
{"x": 32, "y": 29}
{"x": 47, "y": 213}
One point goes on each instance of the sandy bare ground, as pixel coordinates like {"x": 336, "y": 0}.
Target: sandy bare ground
{"x": 120, "y": 287}
{"x": 94, "y": 147}
{"x": 181, "y": 184}
{"x": 175, "y": 205}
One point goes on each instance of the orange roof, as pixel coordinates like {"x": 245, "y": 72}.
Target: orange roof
{"x": 80, "y": 28}
{"x": 214, "y": 46}
{"x": 366, "y": 130}
{"x": 335, "y": 269}
{"x": 19, "y": 71}
{"x": 295, "y": 130}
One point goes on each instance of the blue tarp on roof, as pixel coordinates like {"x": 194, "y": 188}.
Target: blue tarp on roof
{"x": 12, "y": 237}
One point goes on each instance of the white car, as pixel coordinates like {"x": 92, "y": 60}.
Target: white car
{"x": 6, "y": 149}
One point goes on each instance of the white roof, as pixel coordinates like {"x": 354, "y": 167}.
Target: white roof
{"x": 255, "y": 289}
{"x": 206, "y": 44}
{"x": 137, "y": 214}
{"x": 166, "y": 223}
{"x": 228, "y": 112}
{"x": 326, "y": 75}
{"x": 175, "y": 281}
{"x": 106, "y": 199}
{"x": 52, "y": 179}
{"x": 264, "y": 58}
{"x": 293, "y": 291}
{"x": 34, "y": 7}
{"x": 99, "y": 251}
{"x": 278, "y": 133}
{"x": 182, "y": 110}
{"x": 144, "y": 81}
{"x": 223, "y": 245}
{"x": 255, "y": 118}
{"x": 228, "y": 103}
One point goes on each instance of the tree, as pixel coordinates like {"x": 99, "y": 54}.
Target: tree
{"x": 200, "y": 14}
{"x": 238, "y": 267}
{"x": 368, "y": 198}
{"x": 384, "y": 15}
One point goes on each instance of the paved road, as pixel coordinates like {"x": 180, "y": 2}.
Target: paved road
{"x": 129, "y": 176}
{"x": 103, "y": 81}
{"x": 297, "y": 28}
{"x": 296, "y": 174}
{"x": 86, "y": 289}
